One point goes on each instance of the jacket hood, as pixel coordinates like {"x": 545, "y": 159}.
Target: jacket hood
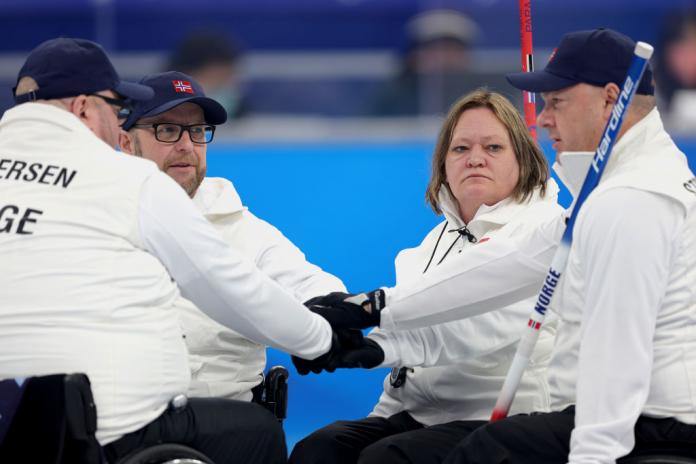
{"x": 217, "y": 196}
{"x": 573, "y": 166}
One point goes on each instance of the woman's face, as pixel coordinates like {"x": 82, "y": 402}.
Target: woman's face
{"x": 481, "y": 166}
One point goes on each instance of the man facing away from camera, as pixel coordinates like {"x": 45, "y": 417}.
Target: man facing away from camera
{"x": 97, "y": 250}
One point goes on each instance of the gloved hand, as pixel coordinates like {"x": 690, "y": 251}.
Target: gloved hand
{"x": 348, "y": 349}
{"x": 366, "y": 354}
{"x": 349, "y": 311}
{"x": 305, "y": 366}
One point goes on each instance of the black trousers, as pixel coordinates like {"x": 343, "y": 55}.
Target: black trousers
{"x": 227, "y": 431}
{"x": 545, "y": 438}
{"x": 376, "y": 440}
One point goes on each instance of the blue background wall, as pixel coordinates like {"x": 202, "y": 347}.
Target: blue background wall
{"x": 351, "y": 207}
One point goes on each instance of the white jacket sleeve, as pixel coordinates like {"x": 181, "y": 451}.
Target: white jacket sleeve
{"x": 283, "y": 262}
{"x": 218, "y": 280}
{"x": 626, "y": 263}
{"x": 482, "y": 278}
{"x": 455, "y": 341}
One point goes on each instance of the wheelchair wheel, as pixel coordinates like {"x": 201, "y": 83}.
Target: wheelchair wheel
{"x": 168, "y": 453}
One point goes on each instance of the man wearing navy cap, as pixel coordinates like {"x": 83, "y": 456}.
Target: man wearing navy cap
{"x": 97, "y": 250}
{"x": 173, "y": 130}
{"x": 621, "y": 372}
{"x": 174, "y": 127}
{"x": 84, "y": 73}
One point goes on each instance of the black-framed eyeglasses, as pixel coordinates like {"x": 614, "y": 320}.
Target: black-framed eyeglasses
{"x": 171, "y": 133}
{"x": 124, "y": 107}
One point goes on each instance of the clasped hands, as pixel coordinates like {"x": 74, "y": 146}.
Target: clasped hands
{"x": 347, "y": 314}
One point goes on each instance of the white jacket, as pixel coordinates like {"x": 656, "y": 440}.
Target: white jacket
{"x": 90, "y": 279}
{"x": 223, "y": 363}
{"x": 471, "y": 356}
{"x": 626, "y": 341}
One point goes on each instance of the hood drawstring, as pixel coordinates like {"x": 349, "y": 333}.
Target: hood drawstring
{"x": 398, "y": 375}
{"x": 462, "y": 232}
{"x": 432, "y": 255}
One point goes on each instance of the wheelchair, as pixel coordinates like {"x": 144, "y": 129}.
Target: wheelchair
{"x": 53, "y": 420}
{"x": 272, "y": 393}
{"x": 663, "y": 453}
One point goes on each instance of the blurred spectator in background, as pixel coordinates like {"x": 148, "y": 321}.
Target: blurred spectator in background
{"x": 675, "y": 70}
{"x": 437, "y": 67}
{"x": 212, "y": 59}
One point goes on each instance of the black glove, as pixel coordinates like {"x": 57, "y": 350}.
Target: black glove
{"x": 348, "y": 349}
{"x": 366, "y": 354}
{"x": 349, "y": 311}
{"x": 326, "y": 360}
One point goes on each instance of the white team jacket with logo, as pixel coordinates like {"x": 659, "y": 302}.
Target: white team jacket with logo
{"x": 90, "y": 242}
{"x": 626, "y": 340}
{"x": 468, "y": 358}
{"x": 223, "y": 363}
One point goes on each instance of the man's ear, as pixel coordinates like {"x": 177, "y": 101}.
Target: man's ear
{"x": 610, "y": 92}
{"x": 79, "y": 106}
{"x": 125, "y": 141}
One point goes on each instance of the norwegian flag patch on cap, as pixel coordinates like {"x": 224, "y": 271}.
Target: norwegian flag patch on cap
{"x": 182, "y": 86}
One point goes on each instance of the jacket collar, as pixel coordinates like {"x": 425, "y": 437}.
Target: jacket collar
{"x": 632, "y": 143}
{"x": 497, "y": 214}
{"x": 572, "y": 169}
{"x": 572, "y": 172}
{"x": 217, "y": 196}
{"x": 49, "y": 114}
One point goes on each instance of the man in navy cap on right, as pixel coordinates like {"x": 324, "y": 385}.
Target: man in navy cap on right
{"x": 622, "y": 373}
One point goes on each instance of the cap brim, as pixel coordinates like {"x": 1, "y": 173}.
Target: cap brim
{"x": 213, "y": 112}
{"x": 133, "y": 91}
{"x": 539, "y": 81}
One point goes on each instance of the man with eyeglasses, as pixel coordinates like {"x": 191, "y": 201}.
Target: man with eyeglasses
{"x": 173, "y": 129}
{"x": 97, "y": 250}
{"x": 156, "y": 128}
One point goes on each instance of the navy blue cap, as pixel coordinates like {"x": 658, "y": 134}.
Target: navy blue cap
{"x": 67, "y": 67}
{"x": 594, "y": 57}
{"x": 173, "y": 88}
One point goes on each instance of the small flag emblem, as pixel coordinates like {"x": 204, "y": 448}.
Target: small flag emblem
{"x": 182, "y": 86}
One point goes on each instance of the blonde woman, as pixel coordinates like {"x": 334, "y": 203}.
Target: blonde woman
{"x": 489, "y": 181}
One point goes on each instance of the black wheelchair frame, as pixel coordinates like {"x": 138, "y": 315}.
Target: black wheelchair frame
{"x": 53, "y": 420}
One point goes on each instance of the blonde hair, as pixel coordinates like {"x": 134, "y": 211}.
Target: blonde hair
{"x": 534, "y": 170}
{"x": 26, "y": 85}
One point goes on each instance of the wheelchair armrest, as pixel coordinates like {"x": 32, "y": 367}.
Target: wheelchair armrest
{"x": 55, "y": 421}
{"x": 276, "y": 391}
